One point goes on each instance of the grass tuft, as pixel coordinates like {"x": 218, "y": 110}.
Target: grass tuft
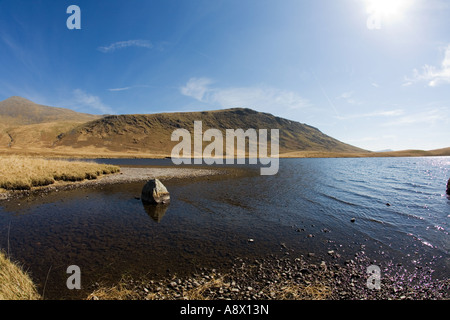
{"x": 15, "y": 284}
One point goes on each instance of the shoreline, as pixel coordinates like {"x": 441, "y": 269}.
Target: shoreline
{"x": 126, "y": 175}
{"x": 283, "y": 278}
{"x": 443, "y": 152}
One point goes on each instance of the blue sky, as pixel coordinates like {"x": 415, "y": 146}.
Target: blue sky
{"x": 372, "y": 73}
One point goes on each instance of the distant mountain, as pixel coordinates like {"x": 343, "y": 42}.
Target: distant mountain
{"x": 152, "y": 132}
{"x": 27, "y": 127}
{"x": 20, "y": 111}
{"x": 30, "y": 128}
{"x": 413, "y": 153}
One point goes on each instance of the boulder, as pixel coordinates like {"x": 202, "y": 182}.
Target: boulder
{"x": 154, "y": 192}
{"x": 448, "y": 187}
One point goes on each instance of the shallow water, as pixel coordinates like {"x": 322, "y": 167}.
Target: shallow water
{"x": 306, "y": 207}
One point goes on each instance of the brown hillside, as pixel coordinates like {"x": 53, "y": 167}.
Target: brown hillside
{"x": 20, "y": 111}
{"x": 152, "y": 133}
{"x": 29, "y": 128}
{"x": 25, "y": 124}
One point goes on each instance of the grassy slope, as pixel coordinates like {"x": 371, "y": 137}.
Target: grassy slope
{"x": 152, "y": 133}
{"x": 30, "y": 129}
{"x": 27, "y": 126}
{"x": 15, "y": 284}
{"x": 403, "y": 153}
{"x": 16, "y": 111}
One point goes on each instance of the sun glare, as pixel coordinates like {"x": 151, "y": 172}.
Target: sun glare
{"x": 388, "y": 8}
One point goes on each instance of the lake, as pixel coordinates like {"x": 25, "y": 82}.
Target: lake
{"x": 400, "y": 210}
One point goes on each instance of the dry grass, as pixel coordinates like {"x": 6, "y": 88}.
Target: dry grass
{"x": 15, "y": 284}
{"x": 294, "y": 291}
{"x": 117, "y": 292}
{"x": 200, "y": 292}
{"x": 122, "y": 291}
{"x": 211, "y": 289}
{"x": 24, "y": 173}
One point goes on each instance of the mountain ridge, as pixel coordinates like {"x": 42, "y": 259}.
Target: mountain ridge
{"x": 20, "y": 111}
{"x": 30, "y": 128}
{"x": 153, "y": 131}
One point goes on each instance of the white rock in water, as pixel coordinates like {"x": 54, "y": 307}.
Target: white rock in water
{"x": 155, "y": 192}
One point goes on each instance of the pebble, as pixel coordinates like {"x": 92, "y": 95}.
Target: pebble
{"x": 345, "y": 281}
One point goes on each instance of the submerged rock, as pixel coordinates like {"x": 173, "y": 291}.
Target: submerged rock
{"x": 154, "y": 192}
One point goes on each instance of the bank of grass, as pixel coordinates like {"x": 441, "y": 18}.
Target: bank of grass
{"x": 24, "y": 173}
{"x": 15, "y": 283}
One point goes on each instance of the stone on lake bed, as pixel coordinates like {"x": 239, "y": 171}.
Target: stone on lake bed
{"x": 155, "y": 192}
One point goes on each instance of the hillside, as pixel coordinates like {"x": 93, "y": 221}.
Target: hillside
{"x": 152, "y": 133}
{"x": 20, "y": 111}
{"x": 30, "y": 128}
{"x": 27, "y": 125}
{"x": 414, "y": 153}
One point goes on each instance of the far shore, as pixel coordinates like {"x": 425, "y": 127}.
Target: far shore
{"x": 126, "y": 175}
{"x": 107, "y": 154}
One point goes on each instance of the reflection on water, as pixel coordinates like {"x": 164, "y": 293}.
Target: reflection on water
{"x": 156, "y": 211}
{"x": 307, "y": 207}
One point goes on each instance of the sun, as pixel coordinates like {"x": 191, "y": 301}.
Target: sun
{"x": 387, "y": 8}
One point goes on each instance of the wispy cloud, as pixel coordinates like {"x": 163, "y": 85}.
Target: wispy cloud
{"x": 434, "y": 76}
{"x": 197, "y": 88}
{"x": 263, "y": 98}
{"x": 133, "y": 87}
{"x": 372, "y": 138}
{"x": 428, "y": 117}
{"x": 348, "y": 97}
{"x": 381, "y": 113}
{"x": 119, "y": 89}
{"x": 125, "y": 44}
{"x": 85, "y": 100}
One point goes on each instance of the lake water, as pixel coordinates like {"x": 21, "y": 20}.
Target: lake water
{"x": 399, "y": 205}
